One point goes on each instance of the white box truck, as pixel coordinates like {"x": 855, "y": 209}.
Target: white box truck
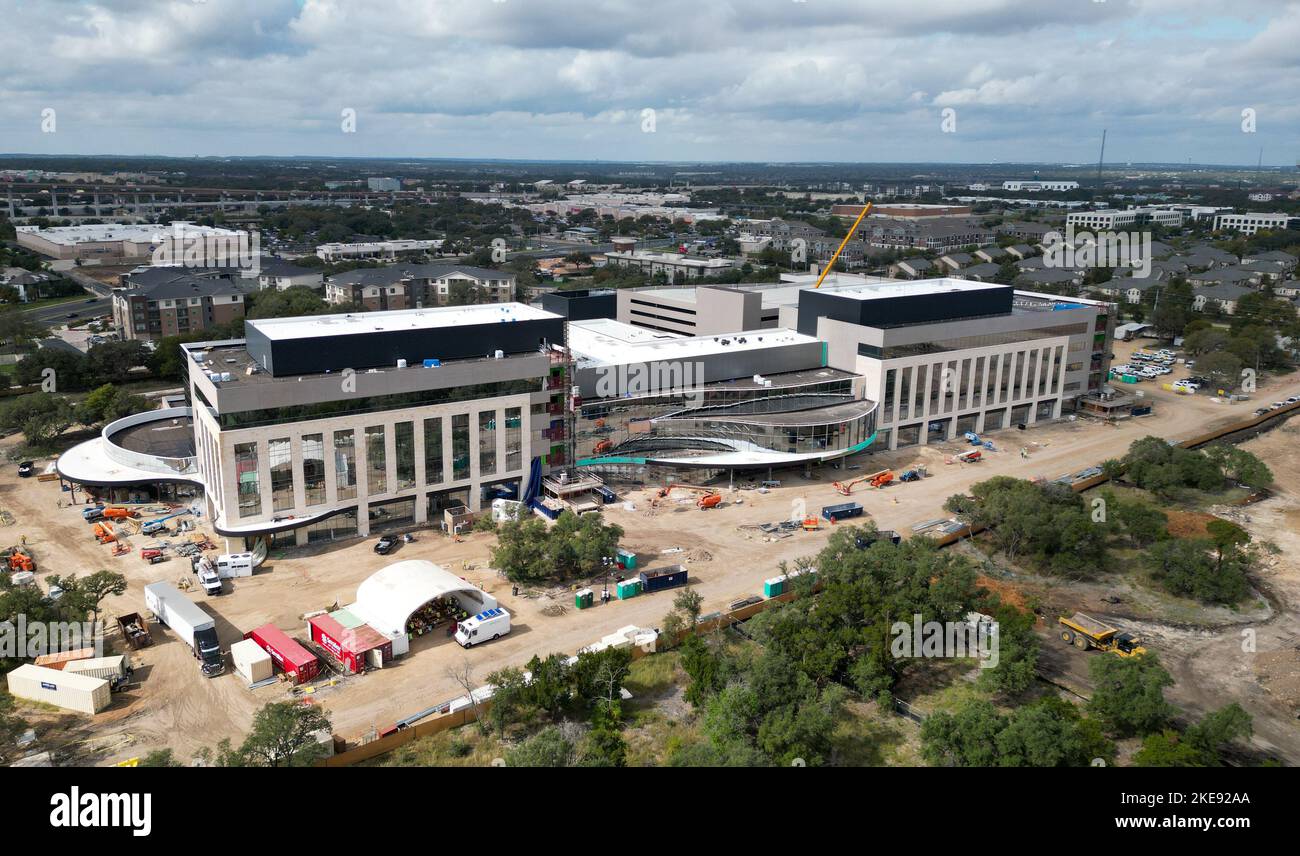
{"x": 207, "y": 574}
{"x": 489, "y": 624}
{"x": 194, "y": 626}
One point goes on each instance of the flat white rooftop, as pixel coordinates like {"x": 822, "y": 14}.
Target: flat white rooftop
{"x": 612, "y": 343}
{"x": 922, "y": 287}
{"x": 433, "y": 318}
{"x": 137, "y": 232}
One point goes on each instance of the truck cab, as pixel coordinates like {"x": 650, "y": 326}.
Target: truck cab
{"x": 489, "y": 624}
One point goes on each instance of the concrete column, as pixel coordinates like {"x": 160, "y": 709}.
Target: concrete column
{"x": 300, "y": 536}
{"x": 363, "y": 517}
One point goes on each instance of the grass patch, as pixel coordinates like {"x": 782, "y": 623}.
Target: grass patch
{"x": 865, "y": 738}
{"x": 654, "y": 675}
{"x": 460, "y": 747}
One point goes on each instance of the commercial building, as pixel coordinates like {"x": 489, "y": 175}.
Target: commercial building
{"x": 1252, "y": 222}
{"x": 904, "y": 210}
{"x": 415, "y": 286}
{"x": 158, "y": 302}
{"x": 750, "y": 400}
{"x": 380, "y": 250}
{"x": 383, "y": 184}
{"x": 1035, "y": 186}
{"x": 196, "y": 245}
{"x": 1116, "y": 219}
{"x": 335, "y": 424}
{"x": 945, "y": 356}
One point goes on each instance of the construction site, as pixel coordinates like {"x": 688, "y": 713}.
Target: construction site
{"x": 728, "y": 536}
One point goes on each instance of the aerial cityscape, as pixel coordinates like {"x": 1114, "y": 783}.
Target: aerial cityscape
{"x": 498, "y": 383}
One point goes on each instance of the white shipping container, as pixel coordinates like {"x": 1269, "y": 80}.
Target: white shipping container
{"x": 61, "y": 689}
{"x": 252, "y": 661}
{"x": 98, "y": 667}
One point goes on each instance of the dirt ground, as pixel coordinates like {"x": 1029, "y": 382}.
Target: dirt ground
{"x": 173, "y": 705}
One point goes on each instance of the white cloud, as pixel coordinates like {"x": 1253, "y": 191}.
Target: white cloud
{"x": 730, "y": 79}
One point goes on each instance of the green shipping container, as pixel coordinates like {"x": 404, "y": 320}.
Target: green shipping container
{"x": 584, "y": 598}
{"x": 628, "y": 588}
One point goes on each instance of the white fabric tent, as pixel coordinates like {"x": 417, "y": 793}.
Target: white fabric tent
{"x": 386, "y": 599}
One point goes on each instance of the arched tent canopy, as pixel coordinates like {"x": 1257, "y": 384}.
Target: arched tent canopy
{"x": 387, "y": 598}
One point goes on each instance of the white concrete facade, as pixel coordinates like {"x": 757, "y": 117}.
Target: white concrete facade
{"x": 216, "y": 452}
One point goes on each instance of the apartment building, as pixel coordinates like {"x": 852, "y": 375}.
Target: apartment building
{"x": 158, "y": 302}
{"x": 415, "y": 286}
{"x": 938, "y": 234}
{"x": 674, "y": 266}
{"x": 1035, "y": 186}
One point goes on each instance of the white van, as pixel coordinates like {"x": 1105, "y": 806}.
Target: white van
{"x": 489, "y": 624}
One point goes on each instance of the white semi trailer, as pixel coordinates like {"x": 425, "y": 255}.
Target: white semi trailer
{"x": 194, "y": 626}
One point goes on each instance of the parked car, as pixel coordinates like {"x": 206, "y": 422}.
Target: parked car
{"x": 26, "y": 468}
{"x": 1261, "y": 411}
{"x": 386, "y": 545}
{"x": 1293, "y": 399}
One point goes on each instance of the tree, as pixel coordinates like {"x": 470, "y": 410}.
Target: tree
{"x": 1018, "y": 649}
{"x": 1185, "y": 567}
{"x": 1240, "y": 465}
{"x": 1129, "y": 693}
{"x": 520, "y": 551}
{"x": 1201, "y": 746}
{"x": 295, "y": 300}
{"x": 108, "y": 403}
{"x": 1143, "y": 523}
{"x": 1222, "y": 368}
{"x": 1050, "y": 732}
{"x": 285, "y": 734}
{"x": 550, "y": 747}
{"x": 89, "y": 592}
{"x": 160, "y": 758}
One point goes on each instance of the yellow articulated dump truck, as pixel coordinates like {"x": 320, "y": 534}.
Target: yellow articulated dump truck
{"x": 1084, "y": 632}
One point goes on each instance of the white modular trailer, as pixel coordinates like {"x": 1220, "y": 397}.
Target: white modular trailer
{"x": 107, "y": 668}
{"x": 232, "y": 565}
{"x": 70, "y": 691}
{"x": 252, "y": 661}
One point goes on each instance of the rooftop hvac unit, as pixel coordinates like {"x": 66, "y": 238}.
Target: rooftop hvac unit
{"x": 401, "y": 364}
{"x": 430, "y": 364}
{"x": 500, "y": 354}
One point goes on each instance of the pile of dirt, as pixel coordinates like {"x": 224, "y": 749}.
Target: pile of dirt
{"x": 1004, "y": 590}
{"x": 1188, "y": 524}
{"x": 1278, "y": 673}
{"x": 699, "y": 556}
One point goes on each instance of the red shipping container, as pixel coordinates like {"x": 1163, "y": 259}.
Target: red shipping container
{"x": 349, "y": 646}
{"x": 293, "y": 659}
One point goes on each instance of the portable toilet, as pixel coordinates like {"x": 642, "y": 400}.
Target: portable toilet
{"x": 774, "y": 587}
{"x": 584, "y": 598}
{"x": 628, "y": 588}
{"x": 626, "y": 559}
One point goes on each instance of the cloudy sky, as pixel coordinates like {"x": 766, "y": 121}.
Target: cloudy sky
{"x": 788, "y": 80}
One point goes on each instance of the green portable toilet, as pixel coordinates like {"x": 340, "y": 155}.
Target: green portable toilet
{"x": 584, "y": 598}
{"x": 628, "y": 588}
{"x": 626, "y": 558}
{"x": 774, "y": 587}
